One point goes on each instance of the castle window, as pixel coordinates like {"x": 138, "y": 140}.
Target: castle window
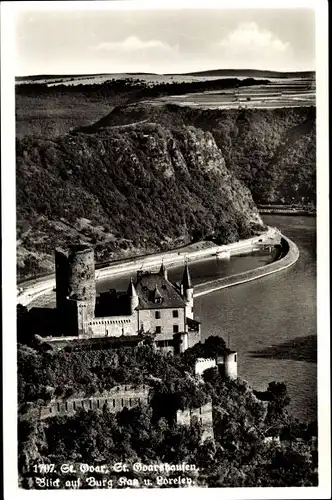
{"x": 74, "y": 405}
{"x": 129, "y": 401}
{"x": 51, "y": 409}
{"x": 235, "y": 358}
{"x": 157, "y": 314}
{"x": 192, "y": 309}
{"x": 58, "y": 406}
{"x": 113, "y": 403}
{"x": 175, "y": 313}
{"x": 66, "y": 406}
{"x": 121, "y": 402}
{"x": 175, "y": 328}
{"x": 97, "y": 403}
{"x": 90, "y": 402}
{"x": 158, "y": 329}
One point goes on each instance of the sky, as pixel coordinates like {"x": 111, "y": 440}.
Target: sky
{"x": 75, "y": 41}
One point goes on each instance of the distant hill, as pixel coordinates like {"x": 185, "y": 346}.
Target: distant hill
{"x": 254, "y": 73}
{"x": 78, "y": 75}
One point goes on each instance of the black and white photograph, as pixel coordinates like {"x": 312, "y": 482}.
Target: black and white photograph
{"x": 169, "y": 290}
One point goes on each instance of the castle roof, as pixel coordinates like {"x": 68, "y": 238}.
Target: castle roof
{"x": 150, "y": 286}
{"x": 186, "y": 280}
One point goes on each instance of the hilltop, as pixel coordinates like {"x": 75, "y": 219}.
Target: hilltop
{"x": 257, "y": 73}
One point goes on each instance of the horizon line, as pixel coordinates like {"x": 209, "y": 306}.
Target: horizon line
{"x": 165, "y": 74}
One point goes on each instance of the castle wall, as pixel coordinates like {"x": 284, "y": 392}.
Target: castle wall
{"x": 203, "y": 364}
{"x": 112, "y": 326}
{"x": 116, "y": 399}
{"x": 202, "y": 415}
{"x": 194, "y": 338}
{"x": 165, "y": 322}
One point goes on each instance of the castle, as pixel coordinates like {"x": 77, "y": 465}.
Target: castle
{"x": 151, "y": 308}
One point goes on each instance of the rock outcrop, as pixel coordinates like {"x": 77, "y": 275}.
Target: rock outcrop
{"x": 142, "y": 187}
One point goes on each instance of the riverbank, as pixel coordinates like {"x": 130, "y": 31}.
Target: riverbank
{"x": 289, "y": 256}
{"x": 34, "y": 290}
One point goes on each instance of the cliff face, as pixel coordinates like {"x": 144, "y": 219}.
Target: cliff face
{"x": 272, "y": 151}
{"x": 127, "y": 189}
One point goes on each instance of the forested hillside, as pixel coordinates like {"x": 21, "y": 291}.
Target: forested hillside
{"x": 138, "y": 188}
{"x": 273, "y": 151}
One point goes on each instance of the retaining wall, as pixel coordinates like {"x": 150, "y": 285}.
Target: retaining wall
{"x": 288, "y": 257}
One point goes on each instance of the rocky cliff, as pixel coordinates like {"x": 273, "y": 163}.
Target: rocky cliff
{"x": 126, "y": 189}
{"x": 272, "y": 151}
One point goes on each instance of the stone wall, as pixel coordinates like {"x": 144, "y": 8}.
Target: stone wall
{"x": 289, "y": 256}
{"x": 203, "y": 364}
{"x": 202, "y": 415}
{"x": 116, "y": 399}
{"x": 112, "y": 326}
{"x": 194, "y": 338}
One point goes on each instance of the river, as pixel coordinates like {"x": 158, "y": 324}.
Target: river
{"x": 270, "y": 322}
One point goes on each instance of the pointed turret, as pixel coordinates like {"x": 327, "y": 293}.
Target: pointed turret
{"x": 163, "y": 271}
{"x": 131, "y": 290}
{"x": 186, "y": 280}
{"x": 187, "y": 292}
{"x": 132, "y": 294}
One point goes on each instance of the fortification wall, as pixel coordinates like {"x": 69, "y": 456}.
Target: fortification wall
{"x": 193, "y": 338}
{"x": 116, "y": 399}
{"x": 203, "y": 364}
{"x": 202, "y": 415}
{"x": 111, "y": 326}
{"x": 288, "y": 257}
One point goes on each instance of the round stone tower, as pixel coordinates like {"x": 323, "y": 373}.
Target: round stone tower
{"x": 81, "y": 277}
{"x": 230, "y": 365}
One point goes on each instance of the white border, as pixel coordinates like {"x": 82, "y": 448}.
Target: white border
{"x": 9, "y": 246}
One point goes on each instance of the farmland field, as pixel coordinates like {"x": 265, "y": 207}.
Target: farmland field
{"x": 279, "y": 93}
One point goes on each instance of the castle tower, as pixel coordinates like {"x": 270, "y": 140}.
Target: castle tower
{"x": 187, "y": 291}
{"x": 227, "y": 365}
{"x": 230, "y": 362}
{"x": 81, "y": 276}
{"x": 163, "y": 271}
{"x": 132, "y": 294}
{"x": 61, "y": 277}
{"x": 75, "y": 285}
